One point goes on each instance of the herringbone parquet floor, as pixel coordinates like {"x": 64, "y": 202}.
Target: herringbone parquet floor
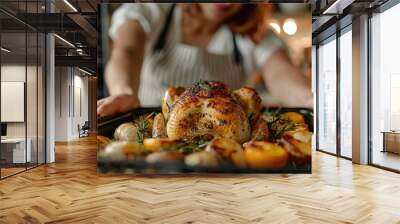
{"x": 70, "y": 191}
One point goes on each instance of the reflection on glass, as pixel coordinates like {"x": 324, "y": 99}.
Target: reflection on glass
{"x": 346, "y": 94}
{"x": 386, "y": 89}
{"x": 327, "y": 97}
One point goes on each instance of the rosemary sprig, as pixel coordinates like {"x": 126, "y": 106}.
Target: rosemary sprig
{"x": 143, "y": 124}
{"x": 277, "y": 124}
{"x": 187, "y": 148}
{"x": 193, "y": 147}
{"x": 204, "y": 85}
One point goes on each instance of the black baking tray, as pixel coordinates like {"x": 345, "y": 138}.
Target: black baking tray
{"x": 107, "y": 125}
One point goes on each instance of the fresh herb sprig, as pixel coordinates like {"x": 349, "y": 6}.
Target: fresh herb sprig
{"x": 204, "y": 85}
{"x": 277, "y": 124}
{"x": 194, "y": 147}
{"x": 187, "y": 148}
{"x": 143, "y": 124}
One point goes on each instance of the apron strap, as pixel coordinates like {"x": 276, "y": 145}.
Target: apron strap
{"x": 159, "y": 45}
{"x": 236, "y": 52}
{"x": 162, "y": 37}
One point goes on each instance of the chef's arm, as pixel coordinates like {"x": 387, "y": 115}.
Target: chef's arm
{"x": 286, "y": 82}
{"x": 123, "y": 69}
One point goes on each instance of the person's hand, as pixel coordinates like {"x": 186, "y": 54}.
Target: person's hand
{"x": 116, "y": 104}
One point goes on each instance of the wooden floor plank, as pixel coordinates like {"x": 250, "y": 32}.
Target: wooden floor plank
{"x": 71, "y": 191}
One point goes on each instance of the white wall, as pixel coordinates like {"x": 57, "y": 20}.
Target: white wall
{"x": 71, "y": 93}
{"x": 61, "y": 103}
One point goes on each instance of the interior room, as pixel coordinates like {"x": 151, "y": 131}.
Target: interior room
{"x": 38, "y": 108}
{"x": 52, "y": 75}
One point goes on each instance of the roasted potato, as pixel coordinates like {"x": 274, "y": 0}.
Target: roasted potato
{"x": 122, "y": 150}
{"x": 229, "y": 150}
{"x": 265, "y": 155}
{"x": 298, "y": 145}
{"x": 294, "y": 117}
{"x": 164, "y": 156}
{"x": 159, "y": 127}
{"x": 102, "y": 141}
{"x": 203, "y": 158}
{"x": 126, "y": 132}
{"x": 156, "y": 144}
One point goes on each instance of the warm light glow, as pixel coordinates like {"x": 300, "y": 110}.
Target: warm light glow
{"x": 275, "y": 26}
{"x": 290, "y": 26}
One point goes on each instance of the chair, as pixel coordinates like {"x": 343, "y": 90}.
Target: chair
{"x": 84, "y": 130}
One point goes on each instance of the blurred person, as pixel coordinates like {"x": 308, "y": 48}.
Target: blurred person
{"x": 161, "y": 45}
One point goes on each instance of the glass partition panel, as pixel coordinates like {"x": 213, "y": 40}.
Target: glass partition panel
{"x": 15, "y": 151}
{"x": 22, "y": 64}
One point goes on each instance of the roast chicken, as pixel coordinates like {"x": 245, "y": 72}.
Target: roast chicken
{"x": 209, "y": 125}
{"x": 210, "y": 109}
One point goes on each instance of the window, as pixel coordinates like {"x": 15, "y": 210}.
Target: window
{"x": 327, "y": 96}
{"x": 385, "y": 88}
{"x": 346, "y": 93}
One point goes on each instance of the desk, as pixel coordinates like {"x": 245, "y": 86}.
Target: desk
{"x": 391, "y": 141}
{"x": 13, "y": 150}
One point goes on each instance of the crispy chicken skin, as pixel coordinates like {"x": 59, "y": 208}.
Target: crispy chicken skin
{"x": 170, "y": 97}
{"x": 250, "y": 101}
{"x": 208, "y": 109}
{"x": 259, "y": 130}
